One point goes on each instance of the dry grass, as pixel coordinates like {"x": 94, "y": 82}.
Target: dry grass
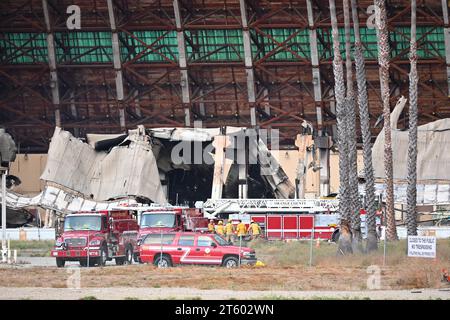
{"x": 287, "y": 269}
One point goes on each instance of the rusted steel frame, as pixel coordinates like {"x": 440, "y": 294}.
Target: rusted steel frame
{"x": 15, "y": 14}
{"x": 278, "y": 117}
{"x": 276, "y": 49}
{"x": 205, "y": 94}
{"x": 436, "y": 20}
{"x": 259, "y": 31}
{"x": 282, "y": 81}
{"x": 152, "y": 84}
{"x": 279, "y": 89}
{"x": 406, "y": 10}
{"x": 146, "y": 80}
{"x": 210, "y": 53}
{"x": 421, "y": 83}
{"x": 6, "y": 75}
{"x": 293, "y": 116}
{"x": 259, "y": 22}
{"x": 21, "y": 48}
{"x": 32, "y": 117}
{"x": 398, "y": 57}
{"x": 200, "y": 18}
{"x": 139, "y": 16}
{"x": 148, "y": 47}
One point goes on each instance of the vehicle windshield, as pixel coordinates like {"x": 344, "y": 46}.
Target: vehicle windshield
{"x": 220, "y": 240}
{"x": 93, "y": 223}
{"x": 158, "y": 220}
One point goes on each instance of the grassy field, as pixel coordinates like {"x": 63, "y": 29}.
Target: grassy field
{"x": 32, "y": 248}
{"x": 287, "y": 268}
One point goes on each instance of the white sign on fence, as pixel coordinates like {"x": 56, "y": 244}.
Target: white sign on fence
{"x": 421, "y": 247}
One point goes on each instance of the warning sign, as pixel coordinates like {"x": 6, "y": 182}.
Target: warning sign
{"x": 421, "y": 247}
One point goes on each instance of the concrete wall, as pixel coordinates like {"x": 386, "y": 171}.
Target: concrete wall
{"x": 28, "y": 167}
{"x": 288, "y": 160}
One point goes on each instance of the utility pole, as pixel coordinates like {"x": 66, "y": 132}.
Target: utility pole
{"x": 4, "y": 248}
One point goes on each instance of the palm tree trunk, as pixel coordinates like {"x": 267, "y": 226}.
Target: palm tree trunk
{"x": 364, "y": 119}
{"x": 352, "y": 154}
{"x": 341, "y": 103}
{"x": 411, "y": 209}
{"x": 383, "y": 61}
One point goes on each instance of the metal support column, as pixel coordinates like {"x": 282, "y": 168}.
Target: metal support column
{"x": 74, "y": 112}
{"x": 54, "y": 84}
{"x": 447, "y": 40}
{"x": 182, "y": 60}
{"x": 137, "y": 105}
{"x": 324, "y": 153}
{"x": 117, "y": 65}
{"x": 242, "y": 158}
{"x": 248, "y": 63}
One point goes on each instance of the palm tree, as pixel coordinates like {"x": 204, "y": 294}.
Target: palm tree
{"x": 383, "y": 61}
{"x": 364, "y": 120}
{"x": 412, "y": 143}
{"x": 351, "y": 136}
{"x": 341, "y": 107}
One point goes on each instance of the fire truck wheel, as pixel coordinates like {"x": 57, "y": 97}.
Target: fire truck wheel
{"x": 230, "y": 262}
{"x": 103, "y": 257}
{"x": 163, "y": 261}
{"x": 120, "y": 261}
{"x": 129, "y": 255}
{"x": 60, "y": 263}
{"x": 83, "y": 263}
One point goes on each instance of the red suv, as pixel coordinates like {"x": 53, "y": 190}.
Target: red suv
{"x": 171, "y": 248}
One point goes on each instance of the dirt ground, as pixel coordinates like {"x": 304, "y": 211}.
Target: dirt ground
{"x": 125, "y": 293}
{"x": 287, "y": 270}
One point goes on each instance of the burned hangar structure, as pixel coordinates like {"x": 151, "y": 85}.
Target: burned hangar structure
{"x": 210, "y": 64}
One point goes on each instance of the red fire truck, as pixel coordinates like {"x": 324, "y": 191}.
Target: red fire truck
{"x": 166, "y": 218}
{"x": 283, "y": 219}
{"x": 96, "y": 237}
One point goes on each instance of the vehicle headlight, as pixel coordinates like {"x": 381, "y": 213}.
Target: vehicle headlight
{"x": 95, "y": 242}
{"x": 246, "y": 254}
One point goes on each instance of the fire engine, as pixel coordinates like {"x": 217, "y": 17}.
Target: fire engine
{"x": 94, "y": 237}
{"x": 167, "y": 218}
{"x": 283, "y": 219}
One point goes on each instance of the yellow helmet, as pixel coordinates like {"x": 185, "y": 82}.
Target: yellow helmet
{"x": 260, "y": 264}
{"x": 220, "y": 222}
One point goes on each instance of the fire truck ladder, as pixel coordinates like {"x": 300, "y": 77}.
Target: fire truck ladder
{"x": 213, "y": 207}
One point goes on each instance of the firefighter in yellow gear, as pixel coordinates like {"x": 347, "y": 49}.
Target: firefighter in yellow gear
{"x": 229, "y": 231}
{"x": 220, "y": 230}
{"x": 211, "y": 226}
{"x": 254, "y": 229}
{"x": 241, "y": 230}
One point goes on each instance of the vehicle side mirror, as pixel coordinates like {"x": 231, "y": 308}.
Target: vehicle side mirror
{"x": 214, "y": 245}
